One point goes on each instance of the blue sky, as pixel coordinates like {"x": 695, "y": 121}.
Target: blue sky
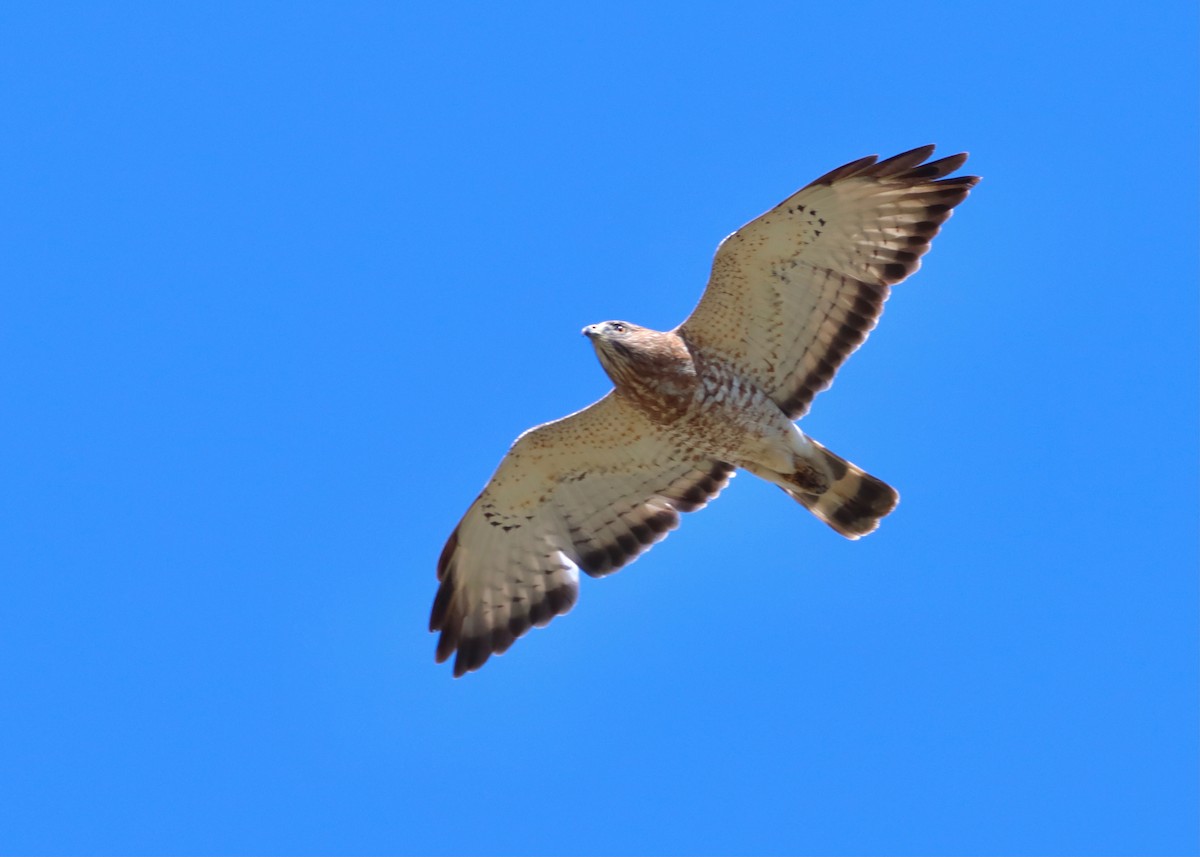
{"x": 283, "y": 281}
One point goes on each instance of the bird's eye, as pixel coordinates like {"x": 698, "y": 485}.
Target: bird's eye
{"x": 618, "y": 328}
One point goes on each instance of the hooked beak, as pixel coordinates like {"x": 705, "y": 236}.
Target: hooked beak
{"x": 589, "y": 331}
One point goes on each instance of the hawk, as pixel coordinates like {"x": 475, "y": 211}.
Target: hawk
{"x": 791, "y": 295}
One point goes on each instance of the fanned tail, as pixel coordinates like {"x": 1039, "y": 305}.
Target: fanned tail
{"x": 855, "y": 501}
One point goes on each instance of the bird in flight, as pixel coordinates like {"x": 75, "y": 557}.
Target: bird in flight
{"x": 792, "y": 293}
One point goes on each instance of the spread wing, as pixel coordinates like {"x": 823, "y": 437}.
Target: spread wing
{"x": 795, "y": 291}
{"x": 591, "y": 491}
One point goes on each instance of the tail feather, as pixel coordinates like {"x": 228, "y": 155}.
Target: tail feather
{"x": 855, "y": 501}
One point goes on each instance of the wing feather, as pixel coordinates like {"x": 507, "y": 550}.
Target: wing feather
{"x": 794, "y": 292}
{"x": 591, "y": 491}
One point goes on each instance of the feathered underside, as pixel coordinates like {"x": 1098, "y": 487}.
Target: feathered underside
{"x": 591, "y": 491}
{"x": 794, "y": 292}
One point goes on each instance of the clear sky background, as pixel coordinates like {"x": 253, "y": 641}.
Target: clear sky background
{"x": 281, "y": 282}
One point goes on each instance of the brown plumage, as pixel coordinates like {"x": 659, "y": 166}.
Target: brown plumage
{"x": 791, "y": 295}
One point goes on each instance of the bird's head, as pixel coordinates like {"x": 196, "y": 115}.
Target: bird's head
{"x": 629, "y": 352}
{"x": 609, "y": 331}
{"x": 617, "y": 344}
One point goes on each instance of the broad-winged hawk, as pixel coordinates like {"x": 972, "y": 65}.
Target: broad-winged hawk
{"x": 791, "y": 295}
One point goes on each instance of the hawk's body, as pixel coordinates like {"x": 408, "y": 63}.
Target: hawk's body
{"x": 791, "y": 294}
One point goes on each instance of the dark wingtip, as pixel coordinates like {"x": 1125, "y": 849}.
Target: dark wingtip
{"x": 950, "y": 163}
{"x": 447, "y": 555}
{"x": 444, "y": 600}
{"x": 441, "y": 605}
{"x": 473, "y": 653}
{"x": 903, "y": 162}
{"x": 446, "y": 645}
{"x": 846, "y": 170}
{"x": 906, "y": 166}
